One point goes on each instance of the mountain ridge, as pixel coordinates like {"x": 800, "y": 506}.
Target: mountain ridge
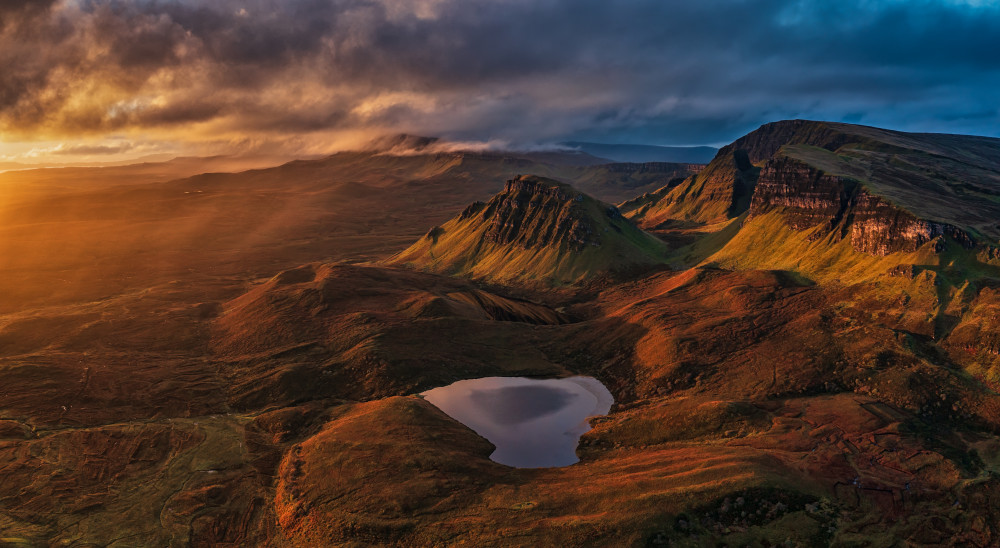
{"x": 942, "y": 184}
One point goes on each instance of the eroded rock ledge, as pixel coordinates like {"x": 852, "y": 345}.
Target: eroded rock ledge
{"x": 811, "y": 197}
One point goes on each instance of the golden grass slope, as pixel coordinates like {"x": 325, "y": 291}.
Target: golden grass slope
{"x": 718, "y": 192}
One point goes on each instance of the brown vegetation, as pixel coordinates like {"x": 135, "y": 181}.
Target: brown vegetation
{"x": 217, "y": 361}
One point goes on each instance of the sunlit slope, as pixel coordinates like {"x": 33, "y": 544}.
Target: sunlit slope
{"x": 536, "y": 229}
{"x": 906, "y": 223}
{"x": 846, "y": 203}
{"x": 951, "y": 180}
{"x": 718, "y": 192}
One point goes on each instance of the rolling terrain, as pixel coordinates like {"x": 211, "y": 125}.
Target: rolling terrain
{"x": 800, "y": 338}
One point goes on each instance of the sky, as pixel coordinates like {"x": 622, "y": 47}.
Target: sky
{"x": 91, "y": 80}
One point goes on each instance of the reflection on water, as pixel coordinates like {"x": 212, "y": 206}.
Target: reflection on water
{"x": 514, "y": 404}
{"x": 533, "y": 423}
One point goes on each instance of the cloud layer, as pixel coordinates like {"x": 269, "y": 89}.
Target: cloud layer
{"x": 259, "y": 71}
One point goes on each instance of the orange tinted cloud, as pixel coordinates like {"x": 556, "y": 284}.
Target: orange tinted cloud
{"x": 310, "y": 73}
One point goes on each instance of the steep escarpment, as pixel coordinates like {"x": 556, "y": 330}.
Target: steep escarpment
{"x": 879, "y": 227}
{"x": 843, "y": 206}
{"x": 807, "y": 195}
{"x": 723, "y": 190}
{"x": 536, "y": 229}
{"x": 885, "y": 191}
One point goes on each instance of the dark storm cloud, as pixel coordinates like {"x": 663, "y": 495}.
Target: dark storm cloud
{"x": 630, "y": 70}
{"x": 10, "y": 8}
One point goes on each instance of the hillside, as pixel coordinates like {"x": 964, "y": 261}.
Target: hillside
{"x": 934, "y": 184}
{"x": 536, "y": 229}
{"x": 716, "y": 193}
{"x": 892, "y": 216}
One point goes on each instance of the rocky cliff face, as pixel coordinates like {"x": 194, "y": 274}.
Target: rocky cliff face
{"x": 530, "y": 213}
{"x": 885, "y": 190}
{"x": 880, "y": 228}
{"x": 809, "y": 197}
{"x": 723, "y": 189}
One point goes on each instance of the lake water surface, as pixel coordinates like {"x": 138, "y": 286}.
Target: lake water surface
{"x": 534, "y": 423}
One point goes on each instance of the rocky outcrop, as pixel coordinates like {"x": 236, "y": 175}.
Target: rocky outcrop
{"x": 724, "y": 188}
{"x": 532, "y": 212}
{"x": 886, "y": 190}
{"x": 809, "y": 197}
{"x": 880, "y": 228}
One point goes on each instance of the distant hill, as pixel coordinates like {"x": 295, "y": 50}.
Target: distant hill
{"x": 646, "y": 153}
{"x": 87, "y": 177}
{"x": 536, "y": 229}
